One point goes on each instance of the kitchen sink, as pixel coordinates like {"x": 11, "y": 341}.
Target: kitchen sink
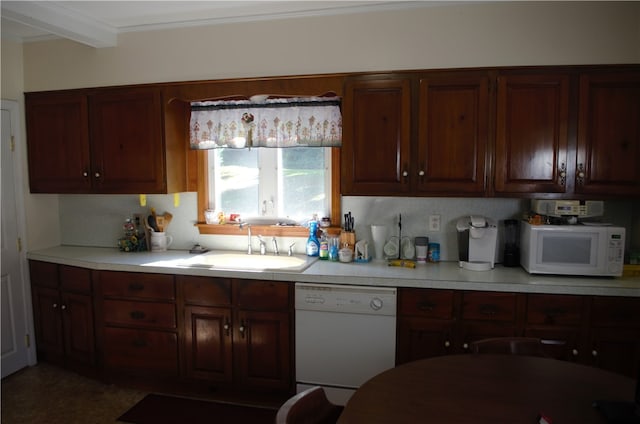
{"x": 243, "y": 261}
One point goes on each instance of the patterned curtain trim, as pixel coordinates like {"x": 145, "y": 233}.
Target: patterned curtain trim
{"x": 293, "y": 122}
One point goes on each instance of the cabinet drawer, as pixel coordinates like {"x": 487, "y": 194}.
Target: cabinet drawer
{"x": 140, "y": 314}
{"x": 205, "y": 291}
{"x": 75, "y": 279}
{"x": 426, "y": 303}
{"x": 261, "y": 295}
{"x": 43, "y": 274}
{"x": 137, "y": 285}
{"x": 488, "y": 306}
{"x": 554, "y": 309}
{"x": 617, "y": 311}
{"x": 141, "y": 350}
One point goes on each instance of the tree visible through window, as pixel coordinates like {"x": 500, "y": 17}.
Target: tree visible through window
{"x": 292, "y": 183}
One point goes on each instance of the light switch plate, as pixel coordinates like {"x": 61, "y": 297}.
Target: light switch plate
{"x": 434, "y": 223}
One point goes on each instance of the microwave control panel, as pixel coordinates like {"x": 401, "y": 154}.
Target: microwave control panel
{"x": 616, "y": 251}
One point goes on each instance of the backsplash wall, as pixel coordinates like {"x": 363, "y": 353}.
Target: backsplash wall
{"x": 96, "y": 220}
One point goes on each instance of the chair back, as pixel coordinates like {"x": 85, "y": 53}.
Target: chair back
{"x": 309, "y": 407}
{"x": 529, "y": 346}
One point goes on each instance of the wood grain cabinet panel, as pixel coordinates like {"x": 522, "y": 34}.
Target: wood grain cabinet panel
{"x": 64, "y": 315}
{"x": 108, "y": 140}
{"x": 608, "y": 154}
{"x": 58, "y": 142}
{"x": 238, "y": 332}
{"x": 138, "y": 351}
{"x": 376, "y": 136}
{"x": 453, "y": 137}
{"x": 532, "y": 133}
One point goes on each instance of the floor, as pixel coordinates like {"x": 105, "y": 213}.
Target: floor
{"x": 47, "y": 394}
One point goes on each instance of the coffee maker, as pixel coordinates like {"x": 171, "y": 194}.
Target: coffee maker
{"x": 477, "y": 242}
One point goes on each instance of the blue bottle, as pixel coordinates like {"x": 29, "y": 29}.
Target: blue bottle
{"x": 313, "y": 245}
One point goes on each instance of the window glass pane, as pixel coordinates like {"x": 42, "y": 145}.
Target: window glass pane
{"x": 236, "y": 182}
{"x": 303, "y": 182}
{"x": 296, "y": 181}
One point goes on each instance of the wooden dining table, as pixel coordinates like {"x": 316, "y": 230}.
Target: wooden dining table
{"x": 486, "y": 389}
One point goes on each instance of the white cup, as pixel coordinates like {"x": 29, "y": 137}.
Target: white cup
{"x": 160, "y": 241}
{"x": 379, "y": 235}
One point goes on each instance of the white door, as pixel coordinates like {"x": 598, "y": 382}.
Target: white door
{"x": 16, "y": 353}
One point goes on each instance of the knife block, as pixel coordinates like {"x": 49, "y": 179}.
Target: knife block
{"x": 348, "y": 239}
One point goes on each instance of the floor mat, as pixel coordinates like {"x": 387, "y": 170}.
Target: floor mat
{"x": 161, "y": 409}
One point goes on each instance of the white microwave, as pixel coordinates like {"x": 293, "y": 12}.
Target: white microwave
{"x": 590, "y": 250}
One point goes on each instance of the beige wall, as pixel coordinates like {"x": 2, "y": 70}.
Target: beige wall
{"x": 43, "y": 228}
{"x": 485, "y": 34}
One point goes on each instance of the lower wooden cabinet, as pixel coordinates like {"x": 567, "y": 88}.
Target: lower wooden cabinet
{"x": 63, "y": 315}
{"x": 238, "y": 332}
{"x": 599, "y": 331}
{"x": 138, "y": 324}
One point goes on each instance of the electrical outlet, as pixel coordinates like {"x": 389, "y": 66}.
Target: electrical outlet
{"x": 434, "y": 223}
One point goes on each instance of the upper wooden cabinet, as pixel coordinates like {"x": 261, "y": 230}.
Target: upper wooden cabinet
{"x": 58, "y": 142}
{"x": 557, "y": 132}
{"x": 376, "y": 137}
{"x": 379, "y": 154}
{"x": 453, "y": 132}
{"x": 532, "y": 133}
{"x": 121, "y": 140}
{"x": 608, "y": 152}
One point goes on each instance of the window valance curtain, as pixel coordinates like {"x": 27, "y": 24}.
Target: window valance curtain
{"x": 278, "y": 122}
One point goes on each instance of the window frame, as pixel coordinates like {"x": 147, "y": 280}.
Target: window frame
{"x": 202, "y": 185}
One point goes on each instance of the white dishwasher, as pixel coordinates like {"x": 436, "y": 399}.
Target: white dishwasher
{"x": 344, "y": 336}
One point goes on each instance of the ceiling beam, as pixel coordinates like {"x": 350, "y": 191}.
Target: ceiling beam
{"x": 58, "y": 20}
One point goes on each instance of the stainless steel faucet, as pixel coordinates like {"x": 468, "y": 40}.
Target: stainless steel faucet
{"x": 263, "y": 245}
{"x": 275, "y": 246}
{"x": 242, "y": 225}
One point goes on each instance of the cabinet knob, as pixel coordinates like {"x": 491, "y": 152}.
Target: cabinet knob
{"x": 54, "y": 306}
{"x": 447, "y": 343}
{"x": 405, "y": 174}
{"x": 85, "y": 174}
{"x": 574, "y": 352}
{"x": 63, "y": 307}
{"x": 594, "y": 352}
{"x": 97, "y": 175}
{"x": 421, "y": 173}
{"x": 465, "y": 346}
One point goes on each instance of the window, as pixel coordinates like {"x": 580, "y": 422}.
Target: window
{"x": 207, "y": 194}
{"x": 292, "y": 183}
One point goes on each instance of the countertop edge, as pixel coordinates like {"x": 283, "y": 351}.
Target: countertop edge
{"x": 444, "y": 275}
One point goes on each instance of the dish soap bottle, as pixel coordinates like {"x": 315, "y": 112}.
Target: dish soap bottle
{"x": 313, "y": 245}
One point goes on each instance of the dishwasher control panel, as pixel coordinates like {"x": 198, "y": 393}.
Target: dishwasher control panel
{"x": 346, "y": 299}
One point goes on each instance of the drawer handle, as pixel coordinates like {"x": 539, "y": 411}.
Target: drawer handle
{"x": 551, "y": 342}
{"x": 137, "y": 315}
{"x": 488, "y": 310}
{"x": 136, "y": 286}
{"x": 139, "y": 343}
{"x": 426, "y": 306}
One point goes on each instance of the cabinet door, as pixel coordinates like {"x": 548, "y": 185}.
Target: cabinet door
{"x": 420, "y": 338}
{"x": 79, "y": 336}
{"x": 376, "y": 137}
{"x": 608, "y": 159}
{"x": 262, "y": 344}
{"x": 208, "y": 343}
{"x": 532, "y": 134}
{"x": 48, "y": 324}
{"x": 128, "y": 150}
{"x": 58, "y": 143}
{"x": 615, "y": 349}
{"x": 453, "y": 134}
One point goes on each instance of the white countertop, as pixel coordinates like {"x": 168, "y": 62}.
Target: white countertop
{"x": 443, "y": 275}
